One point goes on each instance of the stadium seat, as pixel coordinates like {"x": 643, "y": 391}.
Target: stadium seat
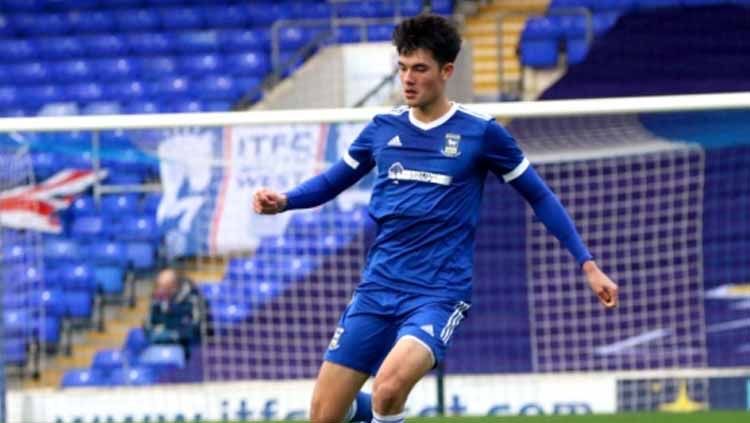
{"x": 108, "y": 252}
{"x": 60, "y": 48}
{"x": 223, "y": 313}
{"x": 37, "y": 95}
{"x": 603, "y": 21}
{"x": 119, "y": 205}
{"x": 180, "y": 18}
{"x": 69, "y": 71}
{"x": 539, "y": 43}
{"x": 150, "y": 203}
{"x": 172, "y": 87}
{"x": 6, "y": 28}
{"x": 28, "y": 73}
{"x": 135, "y": 343}
{"x": 244, "y": 40}
{"x": 193, "y": 42}
{"x": 135, "y": 375}
{"x": 8, "y": 96}
{"x": 137, "y": 20}
{"x": 143, "y": 107}
{"x": 216, "y": 87}
{"x": 125, "y": 91}
{"x": 88, "y": 227}
{"x": 611, "y": 5}
{"x": 141, "y": 255}
{"x": 293, "y": 38}
{"x": 15, "y": 351}
{"x": 91, "y": 21}
{"x": 347, "y": 34}
{"x": 156, "y": 67}
{"x": 108, "y": 360}
{"x": 18, "y": 50}
{"x": 217, "y": 106}
{"x": 226, "y": 16}
{"x": 41, "y": 24}
{"x": 51, "y": 301}
{"x": 24, "y": 5}
{"x": 102, "y": 108}
{"x": 150, "y": 43}
{"x": 380, "y": 32}
{"x": 252, "y": 63}
{"x": 104, "y": 45}
{"x": 82, "y": 377}
{"x": 356, "y": 9}
{"x": 47, "y": 329}
{"x": 574, "y": 32}
{"x": 16, "y": 323}
{"x": 59, "y": 251}
{"x": 84, "y": 206}
{"x": 125, "y": 3}
{"x": 79, "y": 304}
{"x": 265, "y": 14}
{"x": 114, "y": 69}
{"x": 199, "y": 64}
{"x": 163, "y": 357}
{"x": 85, "y": 92}
{"x": 185, "y": 105}
{"x": 78, "y": 276}
{"x": 311, "y": 11}
{"x": 245, "y": 85}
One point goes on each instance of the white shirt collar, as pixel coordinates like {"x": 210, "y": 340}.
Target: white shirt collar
{"x": 435, "y": 123}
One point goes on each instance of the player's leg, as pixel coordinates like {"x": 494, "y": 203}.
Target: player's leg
{"x": 404, "y": 366}
{"x": 335, "y": 392}
{"x": 423, "y": 339}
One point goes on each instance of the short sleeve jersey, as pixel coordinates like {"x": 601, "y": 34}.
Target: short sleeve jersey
{"x": 426, "y": 196}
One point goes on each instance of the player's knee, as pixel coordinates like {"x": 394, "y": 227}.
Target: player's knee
{"x": 388, "y": 396}
{"x": 323, "y": 412}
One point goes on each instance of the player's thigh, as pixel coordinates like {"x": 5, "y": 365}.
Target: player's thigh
{"x": 335, "y": 390}
{"x": 407, "y": 362}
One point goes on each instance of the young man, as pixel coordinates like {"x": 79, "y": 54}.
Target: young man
{"x": 431, "y": 158}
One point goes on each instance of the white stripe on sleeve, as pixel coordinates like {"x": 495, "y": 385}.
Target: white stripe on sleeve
{"x": 518, "y": 171}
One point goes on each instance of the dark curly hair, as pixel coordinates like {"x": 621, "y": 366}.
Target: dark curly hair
{"x": 430, "y": 32}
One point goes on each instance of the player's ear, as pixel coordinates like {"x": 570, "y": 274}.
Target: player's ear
{"x": 447, "y": 71}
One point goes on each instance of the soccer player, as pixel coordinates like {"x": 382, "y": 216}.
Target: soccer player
{"x": 431, "y": 158}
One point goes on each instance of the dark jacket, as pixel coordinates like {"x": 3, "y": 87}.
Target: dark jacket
{"x": 177, "y": 320}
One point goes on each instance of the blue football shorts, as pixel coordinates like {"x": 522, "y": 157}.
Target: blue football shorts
{"x": 376, "y": 319}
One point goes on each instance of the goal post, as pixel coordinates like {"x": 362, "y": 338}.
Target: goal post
{"x": 658, "y": 187}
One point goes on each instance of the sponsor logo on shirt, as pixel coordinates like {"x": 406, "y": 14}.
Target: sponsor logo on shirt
{"x": 395, "y": 142}
{"x": 397, "y": 172}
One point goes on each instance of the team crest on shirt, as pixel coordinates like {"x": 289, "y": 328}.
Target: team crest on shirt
{"x": 450, "y": 149}
{"x": 335, "y": 339}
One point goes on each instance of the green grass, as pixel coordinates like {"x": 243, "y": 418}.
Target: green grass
{"x": 700, "y": 417}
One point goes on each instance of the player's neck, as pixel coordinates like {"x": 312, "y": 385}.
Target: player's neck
{"x": 433, "y": 111}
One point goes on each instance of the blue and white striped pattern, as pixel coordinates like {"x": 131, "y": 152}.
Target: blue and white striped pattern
{"x": 453, "y": 321}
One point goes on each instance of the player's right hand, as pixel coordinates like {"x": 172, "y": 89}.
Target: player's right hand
{"x": 266, "y": 201}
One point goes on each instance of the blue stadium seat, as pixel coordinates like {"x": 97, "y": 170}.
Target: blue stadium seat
{"x": 217, "y": 106}
{"x": 231, "y": 313}
{"x": 67, "y": 5}
{"x": 119, "y": 205}
{"x": 193, "y": 42}
{"x": 84, "y": 92}
{"x": 150, "y": 203}
{"x": 135, "y": 376}
{"x": 125, "y": 3}
{"x": 15, "y": 351}
{"x": 45, "y": 164}
{"x": 649, "y": 4}
{"x": 244, "y": 85}
{"x": 108, "y": 252}
{"x": 123, "y": 177}
{"x": 143, "y": 107}
{"x": 70, "y": 71}
{"x": 5, "y": 75}
{"x": 410, "y": 7}
{"x": 539, "y": 45}
{"x": 602, "y": 22}
{"x": 79, "y": 304}
{"x": 16, "y": 323}
{"x": 135, "y": 343}
{"x": 226, "y": 16}
{"x": 356, "y": 9}
{"x": 78, "y": 276}
{"x": 84, "y": 206}
{"x": 114, "y": 69}
{"x": 157, "y": 67}
{"x": 52, "y": 301}
{"x": 611, "y": 5}
{"x": 37, "y": 95}
{"x": 47, "y": 329}
{"x": 574, "y": 33}
{"x": 102, "y": 108}
{"x": 40, "y": 24}
{"x": 293, "y": 38}
{"x": 24, "y": 5}
{"x": 141, "y": 255}
{"x": 200, "y": 64}
{"x": 8, "y": 96}
{"x": 163, "y": 357}
{"x": 137, "y": 20}
{"x": 172, "y": 87}
{"x": 347, "y": 34}
{"x": 110, "y": 279}
{"x": 91, "y": 21}
{"x": 18, "y": 50}
{"x": 60, "y": 48}
{"x": 216, "y": 87}
{"x": 108, "y": 360}
{"x": 125, "y": 91}
{"x": 87, "y": 227}
{"x": 104, "y": 45}
{"x": 251, "y": 63}
{"x": 302, "y": 10}
{"x": 185, "y": 105}
{"x": 380, "y": 32}
{"x": 265, "y": 14}
{"x": 81, "y": 378}
{"x": 244, "y": 39}
{"x": 16, "y": 253}
{"x": 150, "y": 43}
{"x": 6, "y": 28}
{"x": 177, "y": 18}
{"x": 28, "y": 73}
{"x": 59, "y": 251}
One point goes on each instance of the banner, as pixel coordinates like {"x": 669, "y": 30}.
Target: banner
{"x": 209, "y": 176}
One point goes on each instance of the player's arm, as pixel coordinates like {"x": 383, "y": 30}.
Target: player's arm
{"x": 356, "y": 163}
{"x": 311, "y": 193}
{"x": 551, "y": 212}
{"x": 505, "y": 159}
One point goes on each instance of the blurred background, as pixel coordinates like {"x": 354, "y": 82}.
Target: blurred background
{"x": 110, "y": 181}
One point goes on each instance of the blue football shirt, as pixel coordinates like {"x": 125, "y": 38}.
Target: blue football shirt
{"x": 426, "y": 196}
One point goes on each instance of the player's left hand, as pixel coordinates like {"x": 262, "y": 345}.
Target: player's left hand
{"x": 604, "y": 288}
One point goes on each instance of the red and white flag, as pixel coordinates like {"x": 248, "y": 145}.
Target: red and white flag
{"x": 34, "y": 207}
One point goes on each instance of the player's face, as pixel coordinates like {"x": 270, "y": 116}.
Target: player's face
{"x": 422, "y": 78}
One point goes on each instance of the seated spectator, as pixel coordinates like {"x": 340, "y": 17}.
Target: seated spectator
{"x": 176, "y": 313}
